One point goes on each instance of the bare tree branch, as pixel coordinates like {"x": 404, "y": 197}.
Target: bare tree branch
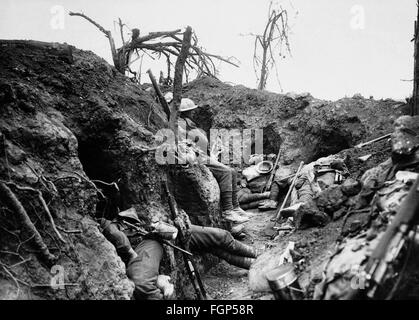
{"x": 151, "y": 36}
{"x": 273, "y": 41}
{"x": 115, "y": 56}
{"x": 121, "y": 30}
{"x": 155, "y": 43}
{"x": 43, "y": 204}
{"x": 106, "y": 32}
{"x": 14, "y": 204}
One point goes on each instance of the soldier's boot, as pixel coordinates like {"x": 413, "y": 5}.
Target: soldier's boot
{"x": 268, "y": 205}
{"x": 241, "y": 249}
{"x": 234, "y": 216}
{"x": 238, "y": 231}
{"x": 243, "y": 213}
{"x": 238, "y": 261}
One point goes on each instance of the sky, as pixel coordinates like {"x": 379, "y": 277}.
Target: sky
{"x": 338, "y": 47}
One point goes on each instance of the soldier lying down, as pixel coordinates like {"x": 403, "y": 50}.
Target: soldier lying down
{"x": 142, "y": 254}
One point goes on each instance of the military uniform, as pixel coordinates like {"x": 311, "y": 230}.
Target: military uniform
{"x": 143, "y": 269}
{"x": 312, "y": 179}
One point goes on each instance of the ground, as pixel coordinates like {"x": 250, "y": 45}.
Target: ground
{"x": 314, "y": 245}
{"x": 229, "y": 282}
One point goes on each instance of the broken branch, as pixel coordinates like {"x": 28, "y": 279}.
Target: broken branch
{"x": 13, "y": 202}
{"x": 115, "y": 57}
{"x": 70, "y": 231}
{"x": 44, "y": 205}
{"x": 162, "y": 100}
{"x": 177, "y": 81}
{"x": 106, "y": 32}
{"x": 51, "y": 219}
{"x": 152, "y": 35}
{"x": 88, "y": 181}
{"x": 13, "y": 278}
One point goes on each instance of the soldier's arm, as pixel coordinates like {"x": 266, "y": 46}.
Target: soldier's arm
{"x": 120, "y": 241}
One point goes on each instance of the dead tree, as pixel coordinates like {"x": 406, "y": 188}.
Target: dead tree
{"x": 271, "y": 43}
{"x": 177, "y": 81}
{"x": 108, "y": 34}
{"x": 162, "y": 44}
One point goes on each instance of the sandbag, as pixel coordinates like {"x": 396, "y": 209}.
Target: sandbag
{"x": 342, "y": 272}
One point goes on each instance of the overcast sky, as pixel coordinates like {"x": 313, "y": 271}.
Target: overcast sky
{"x": 339, "y": 47}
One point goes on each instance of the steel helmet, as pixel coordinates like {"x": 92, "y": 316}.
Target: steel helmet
{"x": 130, "y": 214}
{"x": 264, "y": 167}
{"x": 187, "y": 104}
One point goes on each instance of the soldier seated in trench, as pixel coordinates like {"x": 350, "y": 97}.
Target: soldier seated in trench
{"x": 225, "y": 175}
{"x": 142, "y": 254}
{"x": 312, "y": 179}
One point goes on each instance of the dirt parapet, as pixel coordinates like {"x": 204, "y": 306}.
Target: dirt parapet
{"x": 305, "y": 127}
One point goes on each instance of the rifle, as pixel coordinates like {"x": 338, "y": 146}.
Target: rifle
{"x": 385, "y": 254}
{"x": 189, "y": 263}
{"x": 272, "y": 230}
{"x": 268, "y": 184}
{"x": 156, "y": 237}
{"x": 294, "y": 180}
{"x": 361, "y": 145}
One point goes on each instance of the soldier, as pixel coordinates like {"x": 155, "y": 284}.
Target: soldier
{"x": 142, "y": 255}
{"x": 280, "y": 183}
{"x": 225, "y": 176}
{"x": 312, "y": 179}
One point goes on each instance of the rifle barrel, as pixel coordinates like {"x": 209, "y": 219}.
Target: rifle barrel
{"x": 393, "y": 238}
{"x": 143, "y": 233}
{"x": 289, "y": 191}
{"x": 372, "y": 141}
{"x": 268, "y": 184}
{"x": 406, "y": 215}
{"x": 194, "y": 275}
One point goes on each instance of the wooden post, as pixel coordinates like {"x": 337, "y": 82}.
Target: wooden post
{"x": 415, "y": 97}
{"x": 177, "y": 81}
{"x": 162, "y": 100}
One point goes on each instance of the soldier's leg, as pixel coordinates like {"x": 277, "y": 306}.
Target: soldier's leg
{"x": 251, "y": 205}
{"x": 208, "y": 238}
{"x": 235, "y": 260}
{"x": 272, "y": 202}
{"x": 234, "y": 187}
{"x": 252, "y": 197}
{"x": 222, "y": 174}
{"x": 225, "y": 176}
{"x": 144, "y": 270}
